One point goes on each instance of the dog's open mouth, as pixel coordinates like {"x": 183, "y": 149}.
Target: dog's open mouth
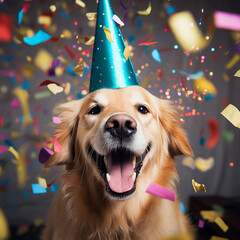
{"x": 119, "y": 169}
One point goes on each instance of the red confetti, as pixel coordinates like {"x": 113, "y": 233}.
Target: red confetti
{"x": 165, "y": 49}
{"x": 57, "y": 146}
{"x": 46, "y": 82}
{"x": 51, "y": 183}
{"x": 69, "y": 51}
{"x": 183, "y": 83}
{"x": 213, "y": 132}
{"x": 147, "y": 38}
{"x": 6, "y": 27}
{"x": 146, "y": 43}
{"x": 26, "y": 7}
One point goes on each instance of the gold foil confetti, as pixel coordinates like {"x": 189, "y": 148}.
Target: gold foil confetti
{"x": 147, "y": 11}
{"x": 204, "y": 164}
{"x": 79, "y": 68}
{"x": 232, "y": 114}
{"x": 91, "y": 16}
{"x": 204, "y": 85}
{"x": 14, "y": 152}
{"x": 221, "y": 224}
{"x": 198, "y": 187}
{"x": 87, "y": 40}
{"x": 127, "y": 51}
{"x": 80, "y": 3}
{"x": 108, "y": 34}
{"x": 210, "y": 215}
{"x": 237, "y": 74}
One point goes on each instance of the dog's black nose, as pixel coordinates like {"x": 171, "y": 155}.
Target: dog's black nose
{"x": 121, "y": 126}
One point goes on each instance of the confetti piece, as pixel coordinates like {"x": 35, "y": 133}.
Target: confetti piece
{"x": 43, "y": 94}
{"x": 195, "y": 76}
{"x": 210, "y": 215}
{"x": 38, "y": 38}
{"x": 214, "y": 132}
{"x": 21, "y": 167}
{"x": 55, "y": 89}
{"x": 237, "y": 74}
{"x": 201, "y": 223}
{"x": 80, "y": 3}
{"x": 108, "y": 34}
{"x": 91, "y": 16}
{"x": 43, "y": 60}
{"x": 187, "y": 32}
{"x": 217, "y": 238}
{"x": 22, "y": 229}
{"x": 69, "y": 51}
{"x": 79, "y": 68}
{"x": 54, "y": 188}
{"x": 23, "y": 97}
{"x": 233, "y": 61}
{"x": 147, "y": 11}
{"x": 9, "y": 73}
{"x": 20, "y": 16}
{"x": 3, "y": 137}
{"x": 38, "y": 189}
{"x": 156, "y": 55}
{"x": 204, "y": 164}
{"x": 57, "y": 120}
{"x": 204, "y": 86}
{"x": 46, "y": 82}
{"x": 6, "y": 27}
{"x": 189, "y": 162}
{"x": 127, "y": 51}
{"x": 221, "y": 224}
{"x": 160, "y": 191}
{"x": 42, "y": 182}
{"x": 3, "y": 148}
{"x": 15, "y": 103}
{"x": 56, "y": 144}
{"x": 118, "y": 20}
{"x": 146, "y": 43}
{"x": 198, "y": 187}
{"x": 4, "y": 233}
{"x": 44, "y": 155}
{"x": 14, "y": 152}
{"x": 232, "y": 114}
{"x": 226, "y": 20}
{"x": 87, "y": 40}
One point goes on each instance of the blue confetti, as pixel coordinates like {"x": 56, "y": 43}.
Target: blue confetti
{"x": 25, "y": 85}
{"x": 38, "y": 38}
{"x": 20, "y": 16}
{"x": 54, "y": 188}
{"x": 156, "y": 55}
{"x": 182, "y": 208}
{"x": 38, "y": 189}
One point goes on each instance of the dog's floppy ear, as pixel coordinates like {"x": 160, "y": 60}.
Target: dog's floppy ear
{"x": 68, "y": 113}
{"x": 178, "y": 142}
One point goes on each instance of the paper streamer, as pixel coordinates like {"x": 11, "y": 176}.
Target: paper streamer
{"x": 147, "y": 11}
{"x": 56, "y": 144}
{"x": 23, "y": 97}
{"x": 226, "y": 20}
{"x": 44, "y": 155}
{"x": 232, "y": 114}
{"x": 38, "y": 38}
{"x": 161, "y": 191}
{"x": 108, "y": 34}
{"x": 187, "y": 32}
{"x": 214, "y": 132}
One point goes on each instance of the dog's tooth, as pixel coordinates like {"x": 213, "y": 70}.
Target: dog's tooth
{"x": 134, "y": 162}
{"x": 134, "y": 176}
{"x": 108, "y": 177}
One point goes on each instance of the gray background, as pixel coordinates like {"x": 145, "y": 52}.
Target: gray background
{"x": 20, "y": 204}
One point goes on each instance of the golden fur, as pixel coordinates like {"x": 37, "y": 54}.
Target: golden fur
{"x": 82, "y": 209}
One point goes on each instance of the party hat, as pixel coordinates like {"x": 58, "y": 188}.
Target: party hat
{"x": 110, "y": 69}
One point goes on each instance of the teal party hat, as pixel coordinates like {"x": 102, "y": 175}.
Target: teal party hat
{"x": 110, "y": 69}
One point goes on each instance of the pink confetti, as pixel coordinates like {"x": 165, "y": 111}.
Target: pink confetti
{"x": 226, "y": 20}
{"x": 161, "y": 191}
{"x": 57, "y": 146}
{"x": 118, "y": 20}
{"x": 44, "y": 155}
{"x": 57, "y": 120}
{"x": 201, "y": 223}
{"x": 15, "y": 103}
{"x": 3, "y": 149}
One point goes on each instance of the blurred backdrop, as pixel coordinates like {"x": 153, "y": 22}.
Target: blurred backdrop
{"x": 196, "y": 74}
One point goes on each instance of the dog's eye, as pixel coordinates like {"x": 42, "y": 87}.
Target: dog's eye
{"x": 143, "y": 109}
{"x": 95, "y": 110}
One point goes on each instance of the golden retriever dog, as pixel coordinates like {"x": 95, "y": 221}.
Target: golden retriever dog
{"x": 115, "y": 143}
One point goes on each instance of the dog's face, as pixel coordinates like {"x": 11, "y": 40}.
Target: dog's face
{"x": 116, "y": 134}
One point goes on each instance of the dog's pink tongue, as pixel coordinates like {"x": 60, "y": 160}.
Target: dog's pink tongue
{"x": 120, "y": 172}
